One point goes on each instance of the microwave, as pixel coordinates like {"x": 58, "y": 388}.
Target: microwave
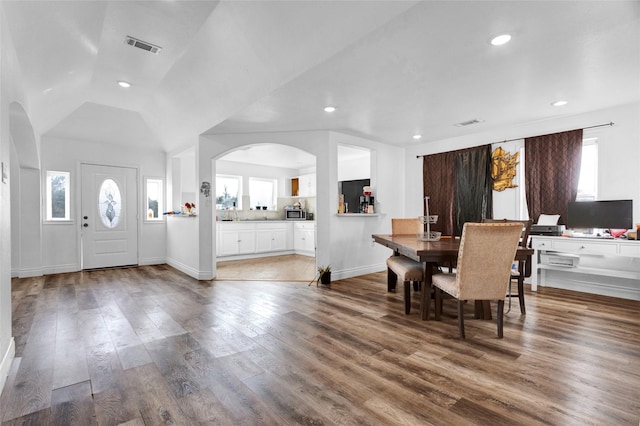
{"x": 294, "y": 214}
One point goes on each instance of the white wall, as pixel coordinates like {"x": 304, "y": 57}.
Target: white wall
{"x": 61, "y": 240}
{"x": 354, "y": 168}
{"x": 10, "y": 91}
{"x": 618, "y": 155}
{"x": 29, "y": 229}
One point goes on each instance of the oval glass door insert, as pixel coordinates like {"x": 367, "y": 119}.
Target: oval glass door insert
{"x": 109, "y": 203}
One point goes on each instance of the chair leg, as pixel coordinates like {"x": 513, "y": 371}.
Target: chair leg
{"x": 407, "y": 297}
{"x": 509, "y": 294}
{"x": 392, "y": 279}
{"x": 523, "y": 310}
{"x": 437, "y": 302}
{"x": 461, "y": 318}
{"x": 417, "y": 285}
{"x": 500, "y": 315}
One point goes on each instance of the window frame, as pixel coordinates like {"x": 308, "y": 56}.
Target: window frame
{"x": 590, "y": 142}
{"x": 239, "y": 195}
{"x": 48, "y": 204}
{"x": 160, "y": 182}
{"x": 274, "y": 182}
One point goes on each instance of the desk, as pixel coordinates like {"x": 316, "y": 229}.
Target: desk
{"x": 431, "y": 253}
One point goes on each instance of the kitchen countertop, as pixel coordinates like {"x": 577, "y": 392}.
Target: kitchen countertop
{"x": 263, "y": 220}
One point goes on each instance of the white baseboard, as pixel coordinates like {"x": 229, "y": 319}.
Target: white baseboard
{"x": 5, "y": 364}
{"x": 30, "y": 272}
{"x": 60, "y": 269}
{"x": 153, "y": 261}
{"x": 192, "y": 272}
{"x": 361, "y": 270}
{"x": 255, "y": 255}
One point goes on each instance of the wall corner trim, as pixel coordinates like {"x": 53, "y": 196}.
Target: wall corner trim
{"x": 7, "y": 361}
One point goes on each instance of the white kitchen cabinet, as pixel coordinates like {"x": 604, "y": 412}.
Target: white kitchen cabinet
{"x": 307, "y": 185}
{"x": 248, "y": 239}
{"x": 236, "y": 238}
{"x": 304, "y": 186}
{"x": 272, "y": 237}
{"x": 304, "y": 238}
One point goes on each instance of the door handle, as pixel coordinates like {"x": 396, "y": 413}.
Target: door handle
{"x": 85, "y": 225}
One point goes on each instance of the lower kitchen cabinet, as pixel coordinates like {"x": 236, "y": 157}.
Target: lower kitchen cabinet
{"x": 271, "y": 238}
{"x": 304, "y": 238}
{"x": 246, "y": 238}
{"x": 235, "y": 239}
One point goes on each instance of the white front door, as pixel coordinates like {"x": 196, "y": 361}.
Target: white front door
{"x": 109, "y": 216}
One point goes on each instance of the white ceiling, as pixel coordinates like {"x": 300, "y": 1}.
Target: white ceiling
{"x": 392, "y": 68}
{"x": 274, "y": 155}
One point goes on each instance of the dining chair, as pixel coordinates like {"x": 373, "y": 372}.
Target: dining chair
{"x": 515, "y": 272}
{"x": 398, "y": 266}
{"x": 484, "y": 260}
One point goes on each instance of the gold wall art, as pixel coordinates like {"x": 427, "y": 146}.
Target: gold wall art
{"x": 503, "y": 169}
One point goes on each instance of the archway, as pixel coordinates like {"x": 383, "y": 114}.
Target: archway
{"x": 25, "y": 181}
{"x": 271, "y": 246}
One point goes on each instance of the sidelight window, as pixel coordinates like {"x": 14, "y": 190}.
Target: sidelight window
{"x": 154, "y": 200}
{"x": 58, "y": 196}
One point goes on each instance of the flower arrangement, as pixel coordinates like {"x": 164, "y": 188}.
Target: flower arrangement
{"x": 189, "y": 208}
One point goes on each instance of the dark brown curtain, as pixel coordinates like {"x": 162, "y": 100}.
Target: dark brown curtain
{"x": 456, "y": 183}
{"x": 474, "y": 186}
{"x": 439, "y": 185}
{"x": 552, "y": 170}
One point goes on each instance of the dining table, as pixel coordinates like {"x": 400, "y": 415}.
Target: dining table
{"x": 432, "y": 254}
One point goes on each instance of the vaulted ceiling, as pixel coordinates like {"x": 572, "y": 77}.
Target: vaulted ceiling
{"x": 391, "y": 68}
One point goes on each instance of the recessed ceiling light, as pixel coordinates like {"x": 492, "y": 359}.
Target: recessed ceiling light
{"x": 501, "y": 39}
{"x": 124, "y": 84}
{"x": 559, "y": 103}
{"x": 329, "y": 109}
{"x": 416, "y": 137}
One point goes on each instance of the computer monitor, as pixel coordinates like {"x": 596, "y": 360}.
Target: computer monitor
{"x": 611, "y": 214}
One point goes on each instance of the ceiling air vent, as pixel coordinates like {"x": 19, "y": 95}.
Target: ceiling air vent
{"x": 132, "y": 41}
{"x": 468, "y": 122}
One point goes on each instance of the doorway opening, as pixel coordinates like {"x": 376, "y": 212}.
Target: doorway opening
{"x": 255, "y": 187}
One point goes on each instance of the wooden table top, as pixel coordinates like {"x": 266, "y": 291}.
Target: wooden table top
{"x": 429, "y": 251}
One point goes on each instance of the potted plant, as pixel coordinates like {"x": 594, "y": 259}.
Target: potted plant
{"x": 324, "y": 275}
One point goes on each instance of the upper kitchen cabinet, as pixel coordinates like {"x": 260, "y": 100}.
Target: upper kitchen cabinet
{"x": 303, "y": 186}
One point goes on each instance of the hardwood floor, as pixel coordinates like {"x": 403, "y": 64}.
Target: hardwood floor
{"x": 290, "y": 267}
{"x": 150, "y": 345}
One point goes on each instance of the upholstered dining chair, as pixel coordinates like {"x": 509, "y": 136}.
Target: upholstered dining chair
{"x": 401, "y": 267}
{"x": 486, "y": 253}
{"x": 515, "y": 273}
